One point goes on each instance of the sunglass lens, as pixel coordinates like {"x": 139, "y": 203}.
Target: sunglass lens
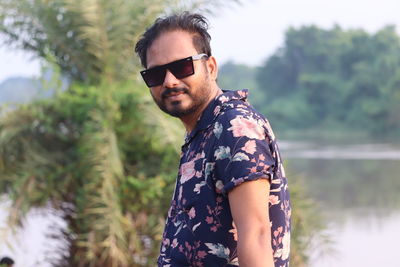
{"x": 182, "y": 68}
{"x": 153, "y": 77}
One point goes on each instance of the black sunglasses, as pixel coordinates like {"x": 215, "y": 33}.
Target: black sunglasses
{"x": 180, "y": 69}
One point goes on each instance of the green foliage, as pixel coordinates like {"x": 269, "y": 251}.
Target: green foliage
{"x": 99, "y": 153}
{"x": 236, "y": 76}
{"x": 90, "y": 40}
{"x": 233, "y": 76}
{"x": 334, "y": 78}
{"x": 308, "y": 226}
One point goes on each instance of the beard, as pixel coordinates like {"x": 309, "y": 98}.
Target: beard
{"x": 198, "y": 98}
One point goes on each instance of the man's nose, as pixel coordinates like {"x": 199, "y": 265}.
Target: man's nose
{"x": 170, "y": 81}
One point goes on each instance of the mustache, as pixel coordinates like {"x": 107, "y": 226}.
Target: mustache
{"x": 168, "y": 92}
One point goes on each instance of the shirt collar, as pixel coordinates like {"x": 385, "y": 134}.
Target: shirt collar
{"x": 214, "y": 108}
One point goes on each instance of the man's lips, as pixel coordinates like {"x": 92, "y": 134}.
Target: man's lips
{"x": 173, "y": 93}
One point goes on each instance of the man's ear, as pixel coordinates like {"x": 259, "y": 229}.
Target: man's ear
{"x": 212, "y": 68}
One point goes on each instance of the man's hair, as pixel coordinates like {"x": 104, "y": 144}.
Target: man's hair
{"x": 193, "y": 23}
{"x": 7, "y": 261}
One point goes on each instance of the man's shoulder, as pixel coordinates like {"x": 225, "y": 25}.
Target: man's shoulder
{"x": 236, "y": 108}
{"x": 241, "y": 114}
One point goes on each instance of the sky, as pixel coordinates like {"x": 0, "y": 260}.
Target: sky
{"x": 250, "y": 32}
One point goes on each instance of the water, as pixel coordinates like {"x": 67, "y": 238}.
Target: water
{"x": 357, "y": 189}
{"x": 30, "y": 247}
{"x": 363, "y": 241}
{"x": 356, "y": 186}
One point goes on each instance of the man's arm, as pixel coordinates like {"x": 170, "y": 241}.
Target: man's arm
{"x": 249, "y": 207}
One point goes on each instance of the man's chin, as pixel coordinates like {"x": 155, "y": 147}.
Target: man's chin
{"x": 178, "y": 113}
{"x": 177, "y": 110}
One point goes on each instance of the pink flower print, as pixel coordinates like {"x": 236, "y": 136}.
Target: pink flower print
{"x": 201, "y": 254}
{"x": 217, "y": 110}
{"x": 166, "y": 242}
{"x": 242, "y": 94}
{"x": 209, "y": 220}
{"x": 238, "y": 181}
{"x": 253, "y": 169}
{"x": 234, "y": 231}
{"x": 246, "y": 127}
{"x": 199, "y": 156}
{"x": 180, "y": 193}
{"x": 250, "y": 147}
{"x": 219, "y": 186}
{"x": 285, "y": 246}
{"x": 174, "y": 243}
{"x": 274, "y": 200}
{"x": 266, "y": 167}
{"x": 224, "y": 99}
{"x": 276, "y": 233}
{"x": 187, "y": 171}
{"x": 282, "y": 241}
{"x": 188, "y": 246}
{"x": 192, "y": 213}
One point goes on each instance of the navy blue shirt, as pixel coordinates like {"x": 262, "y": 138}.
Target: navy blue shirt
{"x": 231, "y": 144}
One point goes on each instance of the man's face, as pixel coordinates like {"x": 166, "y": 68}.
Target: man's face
{"x": 179, "y": 97}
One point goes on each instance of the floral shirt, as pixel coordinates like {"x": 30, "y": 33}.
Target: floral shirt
{"x": 231, "y": 144}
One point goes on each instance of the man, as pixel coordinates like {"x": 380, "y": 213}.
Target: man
{"x": 231, "y": 204}
{"x": 6, "y": 262}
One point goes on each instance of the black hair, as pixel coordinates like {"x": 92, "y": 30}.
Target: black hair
{"x": 190, "y": 22}
{"x": 7, "y": 261}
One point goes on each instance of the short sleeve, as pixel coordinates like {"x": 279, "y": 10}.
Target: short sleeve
{"x": 241, "y": 151}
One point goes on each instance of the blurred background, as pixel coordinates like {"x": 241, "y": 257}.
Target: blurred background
{"x": 88, "y": 162}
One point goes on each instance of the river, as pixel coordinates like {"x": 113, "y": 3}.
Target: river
{"x": 357, "y": 189}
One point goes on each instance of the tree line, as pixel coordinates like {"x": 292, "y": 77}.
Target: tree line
{"x": 330, "y": 80}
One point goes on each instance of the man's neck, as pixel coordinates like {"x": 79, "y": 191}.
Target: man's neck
{"x": 190, "y": 121}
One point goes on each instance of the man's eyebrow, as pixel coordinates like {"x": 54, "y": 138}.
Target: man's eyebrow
{"x": 166, "y": 63}
{"x": 179, "y": 59}
{"x": 155, "y": 66}
{"x": 152, "y": 67}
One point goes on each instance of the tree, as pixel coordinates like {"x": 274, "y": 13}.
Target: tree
{"x": 104, "y": 173}
{"x": 333, "y": 78}
{"x": 90, "y": 40}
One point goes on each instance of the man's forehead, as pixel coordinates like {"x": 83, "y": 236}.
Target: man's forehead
{"x": 173, "y": 38}
{"x": 170, "y": 46}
